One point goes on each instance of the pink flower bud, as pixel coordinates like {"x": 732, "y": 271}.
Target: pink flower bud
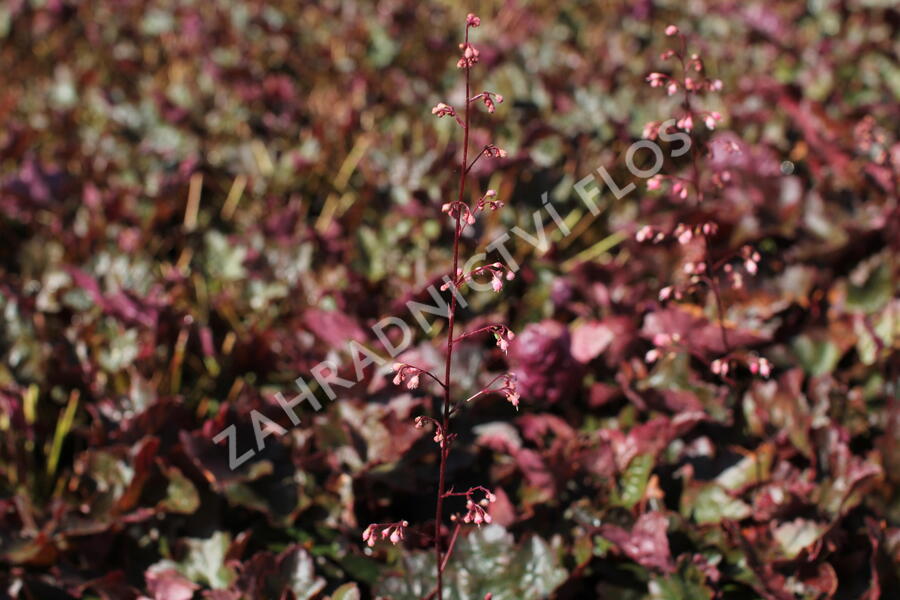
{"x": 671, "y": 30}
{"x": 686, "y": 123}
{"x": 656, "y": 79}
{"x": 443, "y": 110}
{"x": 750, "y": 266}
{"x": 654, "y": 182}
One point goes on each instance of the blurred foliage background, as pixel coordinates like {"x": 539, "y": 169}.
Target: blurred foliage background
{"x": 202, "y": 200}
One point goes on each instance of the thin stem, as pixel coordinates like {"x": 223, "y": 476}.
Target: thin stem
{"x": 475, "y": 160}
{"x": 485, "y": 390}
{"x": 476, "y": 331}
{"x": 445, "y": 444}
{"x": 450, "y": 546}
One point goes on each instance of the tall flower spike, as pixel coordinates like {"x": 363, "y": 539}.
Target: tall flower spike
{"x": 463, "y": 215}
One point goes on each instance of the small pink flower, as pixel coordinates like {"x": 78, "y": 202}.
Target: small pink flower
{"x": 656, "y": 79}
{"x": 652, "y": 356}
{"x": 367, "y": 535}
{"x": 685, "y": 237}
{"x": 671, "y": 30}
{"x": 750, "y": 266}
{"x": 715, "y": 85}
{"x": 413, "y": 382}
{"x": 686, "y": 123}
{"x": 509, "y": 390}
{"x": 672, "y": 89}
{"x": 719, "y": 367}
{"x": 654, "y": 182}
{"x": 665, "y": 293}
{"x": 711, "y": 119}
{"x": 650, "y": 131}
{"x": 504, "y": 336}
{"x": 472, "y": 20}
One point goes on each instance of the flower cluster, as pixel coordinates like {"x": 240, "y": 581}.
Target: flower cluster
{"x": 664, "y": 343}
{"x": 692, "y": 81}
{"x": 503, "y": 335}
{"x": 756, "y": 364}
{"x": 507, "y": 388}
{"x": 490, "y": 100}
{"x": 475, "y": 510}
{"x": 468, "y": 214}
{"x": 408, "y": 374}
{"x": 442, "y": 109}
{"x": 439, "y": 437}
{"x": 395, "y": 532}
{"x": 749, "y": 259}
{"x": 498, "y": 272}
{"x": 492, "y": 151}
{"x": 682, "y": 233}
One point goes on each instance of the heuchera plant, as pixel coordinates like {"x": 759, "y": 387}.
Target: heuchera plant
{"x": 463, "y": 214}
{"x": 708, "y": 270}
